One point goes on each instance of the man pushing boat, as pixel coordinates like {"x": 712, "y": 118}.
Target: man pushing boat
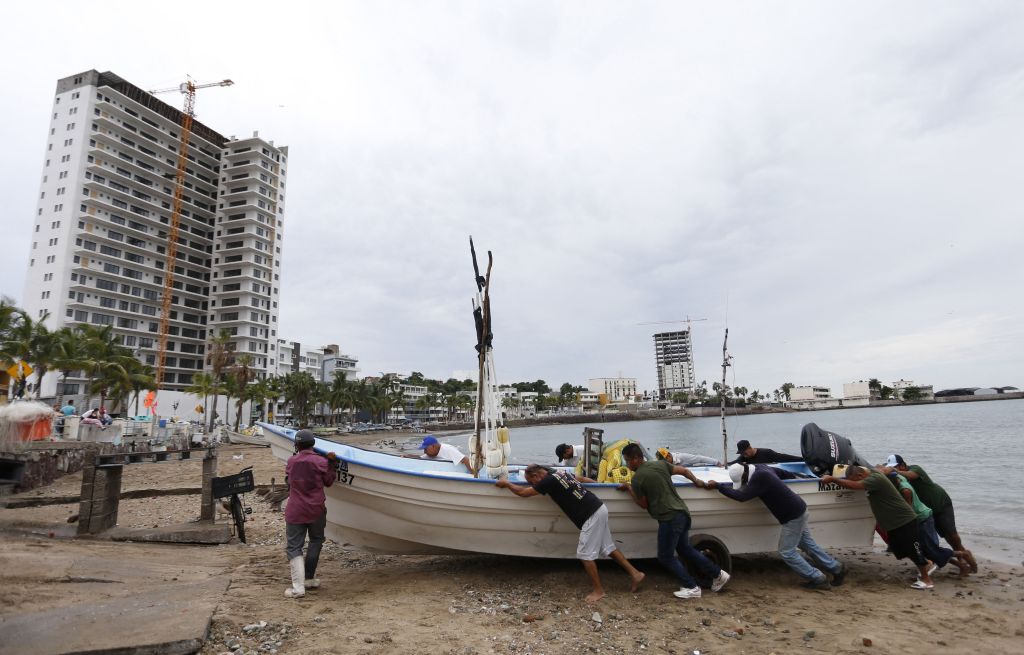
{"x": 307, "y": 473}
{"x": 587, "y": 512}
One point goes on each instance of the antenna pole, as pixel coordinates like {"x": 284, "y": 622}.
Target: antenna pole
{"x": 725, "y": 364}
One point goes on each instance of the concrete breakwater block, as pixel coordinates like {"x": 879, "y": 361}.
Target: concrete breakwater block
{"x": 184, "y": 533}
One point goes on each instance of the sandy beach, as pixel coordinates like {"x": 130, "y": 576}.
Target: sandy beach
{"x": 486, "y": 604}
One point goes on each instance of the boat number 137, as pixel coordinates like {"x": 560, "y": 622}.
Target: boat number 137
{"x": 344, "y": 476}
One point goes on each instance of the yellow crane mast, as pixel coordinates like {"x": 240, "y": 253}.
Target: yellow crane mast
{"x": 188, "y": 89}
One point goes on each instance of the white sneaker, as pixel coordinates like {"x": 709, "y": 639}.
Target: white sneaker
{"x": 720, "y": 581}
{"x": 290, "y": 592}
{"x": 687, "y": 593}
{"x": 312, "y": 583}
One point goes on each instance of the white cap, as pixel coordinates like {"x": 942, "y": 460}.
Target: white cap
{"x": 894, "y": 461}
{"x": 736, "y": 473}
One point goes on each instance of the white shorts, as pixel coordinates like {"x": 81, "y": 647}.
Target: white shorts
{"x": 595, "y": 537}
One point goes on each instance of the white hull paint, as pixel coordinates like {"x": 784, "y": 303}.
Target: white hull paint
{"x": 432, "y": 509}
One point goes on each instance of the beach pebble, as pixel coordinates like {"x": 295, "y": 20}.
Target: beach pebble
{"x": 732, "y": 634}
{"x": 809, "y": 635}
{"x": 866, "y": 642}
{"x": 596, "y": 618}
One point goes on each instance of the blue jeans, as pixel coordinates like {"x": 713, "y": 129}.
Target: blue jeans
{"x": 673, "y": 539}
{"x": 930, "y": 543}
{"x": 794, "y": 536}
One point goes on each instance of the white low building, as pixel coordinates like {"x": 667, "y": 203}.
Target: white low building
{"x": 811, "y": 397}
{"x": 618, "y": 389}
{"x": 856, "y": 394}
{"x": 925, "y": 392}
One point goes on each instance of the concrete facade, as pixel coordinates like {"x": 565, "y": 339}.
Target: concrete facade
{"x": 100, "y": 233}
{"x": 673, "y": 355}
{"x": 618, "y": 389}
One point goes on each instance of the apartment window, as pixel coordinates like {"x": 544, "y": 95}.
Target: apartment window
{"x": 45, "y": 295}
{"x": 102, "y": 319}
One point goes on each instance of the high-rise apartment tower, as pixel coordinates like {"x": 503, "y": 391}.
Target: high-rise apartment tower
{"x": 673, "y": 354}
{"x": 100, "y": 236}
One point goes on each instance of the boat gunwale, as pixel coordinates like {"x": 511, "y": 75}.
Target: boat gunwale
{"x": 277, "y": 431}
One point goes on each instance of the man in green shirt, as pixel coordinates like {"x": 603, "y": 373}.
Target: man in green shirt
{"x": 933, "y": 496}
{"x": 894, "y": 515}
{"x": 653, "y": 490}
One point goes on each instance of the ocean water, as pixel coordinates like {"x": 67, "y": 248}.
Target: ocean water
{"x": 974, "y": 450}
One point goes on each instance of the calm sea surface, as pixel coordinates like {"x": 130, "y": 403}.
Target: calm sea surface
{"x": 974, "y": 450}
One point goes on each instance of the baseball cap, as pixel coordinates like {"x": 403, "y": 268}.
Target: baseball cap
{"x": 305, "y": 438}
{"x": 736, "y": 474}
{"x": 741, "y": 446}
{"x": 895, "y": 460}
{"x": 429, "y": 440}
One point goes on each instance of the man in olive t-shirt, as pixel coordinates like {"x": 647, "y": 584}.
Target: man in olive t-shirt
{"x": 893, "y": 514}
{"x": 653, "y": 490}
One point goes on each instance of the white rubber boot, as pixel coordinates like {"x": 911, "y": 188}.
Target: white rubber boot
{"x": 298, "y": 569}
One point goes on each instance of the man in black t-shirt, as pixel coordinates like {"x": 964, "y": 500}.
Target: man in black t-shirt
{"x": 587, "y": 513}
{"x": 750, "y": 455}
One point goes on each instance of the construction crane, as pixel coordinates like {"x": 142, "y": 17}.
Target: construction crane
{"x": 187, "y": 89}
{"x": 686, "y": 320}
{"x": 689, "y": 333}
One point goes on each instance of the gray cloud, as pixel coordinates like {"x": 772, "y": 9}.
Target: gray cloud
{"x": 838, "y": 182}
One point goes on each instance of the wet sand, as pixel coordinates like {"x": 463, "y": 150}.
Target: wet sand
{"x": 488, "y": 604}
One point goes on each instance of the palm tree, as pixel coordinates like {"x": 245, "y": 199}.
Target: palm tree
{"x": 258, "y": 392}
{"x": 104, "y": 359}
{"x": 70, "y": 357}
{"x": 427, "y": 402}
{"x": 10, "y": 318}
{"x": 203, "y": 386}
{"x": 337, "y": 394}
{"x": 228, "y": 387}
{"x": 274, "y": 387}
{"x": 243, "y": 374}
{"x": 218, "y": 358}
{"x": 30, "y": 341}
{"x": 299, "y": 390}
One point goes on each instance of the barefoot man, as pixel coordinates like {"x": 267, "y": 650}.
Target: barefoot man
{"x": 587, "y": 512}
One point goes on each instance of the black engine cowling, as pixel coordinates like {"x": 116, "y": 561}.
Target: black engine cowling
{"x": 822, "y": 450}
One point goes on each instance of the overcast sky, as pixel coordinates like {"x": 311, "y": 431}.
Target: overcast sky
{"x": 839, "y": 183}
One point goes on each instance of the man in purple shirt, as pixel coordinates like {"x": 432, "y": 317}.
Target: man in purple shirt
{"x": 307, "y": 473}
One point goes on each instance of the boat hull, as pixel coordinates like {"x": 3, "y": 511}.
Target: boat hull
{"x": 250, "y": 439}
{"x": 377, "y": 508}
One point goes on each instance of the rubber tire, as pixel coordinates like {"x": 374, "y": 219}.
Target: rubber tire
{"x": 714, "y": 550}
{"x": 238, "y": 514}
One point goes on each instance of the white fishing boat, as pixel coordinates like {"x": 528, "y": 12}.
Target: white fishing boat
{"x": 386, "y": 503}
{"x": 254, "y": 439}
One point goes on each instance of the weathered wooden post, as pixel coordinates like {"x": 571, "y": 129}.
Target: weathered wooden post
{"x": 207, "y": 512}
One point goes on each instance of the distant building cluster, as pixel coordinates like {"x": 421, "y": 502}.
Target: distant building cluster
{"x": 862, "y": 394}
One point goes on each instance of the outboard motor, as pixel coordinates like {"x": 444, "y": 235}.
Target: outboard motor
{"x": 822, "y": 450}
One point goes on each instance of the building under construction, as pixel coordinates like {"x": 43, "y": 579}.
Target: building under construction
{"x": 673, "y": 353}
{"x": 104, "y": 217}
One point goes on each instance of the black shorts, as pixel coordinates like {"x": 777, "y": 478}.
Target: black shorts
{"x": 905, "y": 542}
{"x": 945, "y": 521}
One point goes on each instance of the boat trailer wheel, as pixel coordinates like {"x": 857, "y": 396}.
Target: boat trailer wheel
{"x": 714, "y": 550}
